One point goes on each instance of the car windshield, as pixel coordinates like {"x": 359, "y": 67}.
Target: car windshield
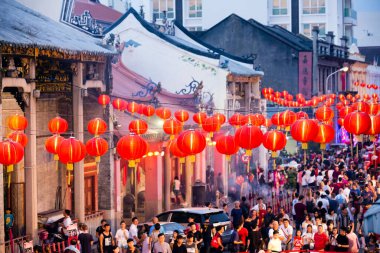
{"x": 218, "y": 217}
{"x": 173, "y": 226}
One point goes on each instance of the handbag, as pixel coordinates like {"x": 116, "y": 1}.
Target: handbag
{"x": 214, "y": 242}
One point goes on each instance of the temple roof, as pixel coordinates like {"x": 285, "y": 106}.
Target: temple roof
{"x": 98, "y": 11}
{"x": 22, "y": 26}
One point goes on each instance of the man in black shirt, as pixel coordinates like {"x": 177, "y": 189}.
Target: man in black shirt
{"x": 85, "y": 240}
{"x": 179, "y": 247}
{"x": 99, "y": 231}
{"x": 342, "y": 241}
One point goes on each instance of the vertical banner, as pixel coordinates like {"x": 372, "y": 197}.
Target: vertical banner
{"x": 72, "y": 232}
{"x": 305, "y": 71}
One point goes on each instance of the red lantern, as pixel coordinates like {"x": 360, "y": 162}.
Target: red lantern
{"x": 131, "y": 147}
{"x": 366, "y": 97}
{"x": 344, "y": 111}
{"x": 287, "y": 118}
{"x": 324, "y": 113}
{"x": 181, "y": 115}
{"x": 304, "y": 130}
{"x": 254, "y": 119}
{"x": 52, "y": 144}
{"x": 357, "y": 122}
{"x": 361, "y": 107}
{"x": 119, "y": 104}
{"x": 176, "y": 151}
{"x": 249, "y": 137}
{"x": 226, "y": 145}
{"x": 324, "y": 135}
{"x": 268, "y": 123}
{"x": 10, "y": 153}
{"x": 97, "y": 126}
{"x": 302, "y": 115}
{"x": 96, "y": 147}
{"x": 163, "y": 113}
{"x": 274, "y": 140}
{"x": 277, "y": 94}
{"x": 71, "y": 151}
{"x": 149, "y": 111}
{"x": 191, "y": 142}
{"x": 138, "y": 126}
{"x": 236, "y": 120}
{"x": 17, "y": 122}
{"x": 104, "y": 100}
{"x": 220, "y": 117}
{"x": 276, "y": 119}
{"x": 363, "y": 85}
{"x": 172, "y": 127}
{"x": 211, "y": 125}
{"x": 133, "y": 107}
{"x": 58, "y": 125}
{"x": 340, "y": 121}
{"x": 19, "y": 137}
{"x": 199, "y": 118}
{"x": 374, "y": 128}
{"x": 373, "y": 109}
{"x": 141, "y": 109}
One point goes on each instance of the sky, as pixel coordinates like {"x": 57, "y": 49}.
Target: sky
{"x": 367, "y": 30}
{"x": 367, "y": 5}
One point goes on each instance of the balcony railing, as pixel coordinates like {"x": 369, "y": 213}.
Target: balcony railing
{"x": 350, "y": 13}
{"x": 93, "y": 221}
{"x": 17, "y": 245}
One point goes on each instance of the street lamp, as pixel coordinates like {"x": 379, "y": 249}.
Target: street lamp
{"x": 344, "y": 69}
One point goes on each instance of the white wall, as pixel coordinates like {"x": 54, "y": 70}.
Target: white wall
{"x": 50, "y": 8}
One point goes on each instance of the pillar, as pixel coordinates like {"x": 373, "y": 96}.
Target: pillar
{"x": 2, "y": 232}
{"x": 247, "y": 100}
{"x": 79, "y": 201}
{"x": 153, "y": 193}
{"x": 167, "y": 178}
{"x": 203, "y": 166}
{"x": 189, "y": 175}
{"x": 30, "y": 162}
{"x": 315, "y": 87}
{"x": 117, "y": 185}
{"x": 198, "y": 167}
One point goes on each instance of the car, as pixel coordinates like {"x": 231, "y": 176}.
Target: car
{"x": 181, "y": 216}
{"x": 169, "y": 228}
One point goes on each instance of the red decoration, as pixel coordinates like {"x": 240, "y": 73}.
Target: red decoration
{"x": 10, "y": 153}
{"x": 97, "y": 147}
{"x": 324, "y": 113}
{"x": 148, "y": 110}
{"x": 52, "y": 144}
{"x": 276, "y": 119}
{"x": 176, "y": 151}
{"x": 274, "y": 140}
{"x": 357, "y": 122}
{"x": 374, "y": 128}
{"x": 304, "y": 130}
{"x": 163, "y": 113}
{"x": 104, "y": 100}
{"x": 254, "y": 119}
{"x": 138, "y": 126}
{"x": 325, "y": 134}
{"x": 181, "y": 115}
{"x": 340, "y": 121}
{"x": 119, "y": 104}
{"x": 249, "y": 137}
{"x": 133, "y": 107}
{"x": 268, "y": 123}
{"x": 199, "y": 118}
{"x": 302, "y": 115}
{"x": 220, "y": 117}
{"x": 97, "y": 126}
{"x": 131, "y": 147}
{"x": 227, "y": 145}
{"x": 287, "y": 118}
{"x": 211, "y": 125}
{"x": 361, "y": 107}
{"x": 344, "y": 111}
{"x": 236, "y": 120}
{"x": 172, "y": 127}
{"x": 19, "y": 137}
{"x": 71, "y": 151}
{"x": 191, "y": 142}
{"x": 17, "y": 122}
{"x": 58, "y": 125}
{"x": 373, "y": 108}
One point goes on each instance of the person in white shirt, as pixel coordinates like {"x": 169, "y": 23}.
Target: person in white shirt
{"x": 276, "y": 227}
{"x": 133, "y": 231}
{"x": 346, "y": 192}
{"x": 122, "y": 235}
{"x": 260, "y": 203}
{"x": 66, "y": 223}
{"x": 294, "y": 202}
{"x": 324, "y": 200}
{"x": 287, "y": 230}
{"x": 274, "y": 244}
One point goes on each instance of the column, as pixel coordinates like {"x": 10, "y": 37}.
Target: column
{"x": 30, "y": 162}
{"x": 167, "y": 178}
{"x": 153, "y": 193}
{"x": 247, "y": 87}
{"x": 78, "y": 133}
{"x": 198, "y": 166}
{"x": 189, "y": 175}
{"x": 2, "y": 232}
{"x": 117, "y": 185}
{"x": 203, "y": 166}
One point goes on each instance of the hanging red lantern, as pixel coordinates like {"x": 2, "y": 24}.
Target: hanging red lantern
{"x": 349, "y": 96}
{"x": 172, "y": 126}
{"x": 58, "y": 125}
{"x": 284, "y": 93}
{"x": 302, "y": 115}
{"x": 256, "y": 119}
{"x": 264, "y": 91}
{"x": 138, "y": 126}
{"x": 268, "y": 123}
{"x": 176, "y": 151}
{"x": 249, "y": 137}
{"x": 324, "y": 113}
{"x": 211, "y": 125}
{"x": 339, "y": 106}
{"x": 17, "y": 122}
{"x": 276, "y": 119}
{"x": 149, "y": 111}
{"x": 226, "y": 145}
{"x": 236, "y": 120}
{"x": 220, "y": 117}
{"x": 287, "y": 118}
{"x": 131, "y": 147}
{"x": 11, "y": 153}
{"x": 277, "y": 94}
{"x": 374, "y": 128}
{"x": 96, "y": 147}
{"x": 52, "y": 144}
{"x": 373, "y": 109}
{"x": 191, "y": 142}
{"x": 163, "y": 113}
{"x": 141, "y": 109}
{"x": 344, "y": 111}
{"x": 340, "y": 121}
{"x": 19, "y": 137}
{"x": 324, "y": 135}
{"x": 304, "y": 130}
{"x": 357, "y": 122}
{"x": 133, "y": 107}
{"x": 120, "y": 104}
{"x": 97, "y": 126}
{"x": 181, "y": 115}
{"x": 199, "y": 118}
{"x": 104, "y": 100}
{"x": 363, "y": 85}
{"x": 274, "y": 140}
{"x": 270, "y": 90}
{"x": 71, "y": 151}
{"x": 361, "y": 107}
{"x": 366, "y": 97}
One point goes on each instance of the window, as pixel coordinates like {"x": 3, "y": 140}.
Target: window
{"x": 162, "y": 7}
{"x": 195, "y": 8}
{"x": 163, "y": 217}
{"x": 307, "y": 29}
{"x": 280, "y": 7}
{"x": 194, "y": 28}
{"x": 314, "y": 7}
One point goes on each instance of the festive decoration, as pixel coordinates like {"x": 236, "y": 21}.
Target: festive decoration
{"x": 227, "y": 145}
{"x": 11, "y": 153}
{"x": 148, "y": 111}
{"x": 361, "y": 107}
{"x": 287, "y": 118}
{"x": 344, "y": 111}
{"x": 71, "y": 151}
{"x": 176, "y": 151}
{"x": 104, "y": 100}
{"x": 58, "y": 125}
{"x": 254, "y": 119}
{"x": 236, "y": 120}
{"x": 19, "y": 137}
{"x": 17, "y": 122}
{"x": 324, "y": 135}
{"x": 52, "y": 144}
{"x": 96, "y": 147}
{"x": 302, "y": 115}
{"x": 211, "y": 125}
{"x": 274, "y": 140}
{"x": 97, "y": 126}
{"x": 268, "y": 123}
{"x": 220, "y": 117}
{"x": 199, "y": 118}
{"x": 120, "y": 104}
{"x": 133, "y": 107}
{"x": 131, "y": 147}
{"x": 324, "y": 113}
{"x": 374, "y": 128}
{"x": 138, "y": 126}
{"x": 373, "y": 108}
{"x": 340, "y": 121}
{"x": 163, "y": 113}
{"x": 357, "y": 122}
{"x": 191, "y": 142}
{"x": 181, "y": 115}
{"x": 172, "y": 127}
{"x": 304, "y": 130}
{"x": 249, "y": 137}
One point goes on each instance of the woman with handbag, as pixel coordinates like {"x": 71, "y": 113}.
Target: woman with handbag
{"x": 216, "y": 241}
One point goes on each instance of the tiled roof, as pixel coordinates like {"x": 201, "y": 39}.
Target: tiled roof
{"x": 371, "y": 54}
{"x": 98, "y": 11}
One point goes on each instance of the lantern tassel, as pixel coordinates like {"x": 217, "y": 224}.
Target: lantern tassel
{"x": 249, "y": 158}
{"x": 69, "y": 168}
{"x": 56, "y": 157}
{"x": 97, "y": 168}
{"x": 228, "y": 158}
{"x": 69, "y": 178}
{"x": 9, "y": 171}
{"x": 131, "y": 163}
{"x": 192, "y": 158}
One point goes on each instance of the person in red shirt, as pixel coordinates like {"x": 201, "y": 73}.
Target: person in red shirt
{"x": 320, "y": 239}
{"x": 243, "y": 234}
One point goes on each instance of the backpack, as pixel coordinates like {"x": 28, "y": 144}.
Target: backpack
{"x": 214, "y": 242}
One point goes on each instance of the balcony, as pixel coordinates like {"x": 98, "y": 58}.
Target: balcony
{"x": 350, "y": 17}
